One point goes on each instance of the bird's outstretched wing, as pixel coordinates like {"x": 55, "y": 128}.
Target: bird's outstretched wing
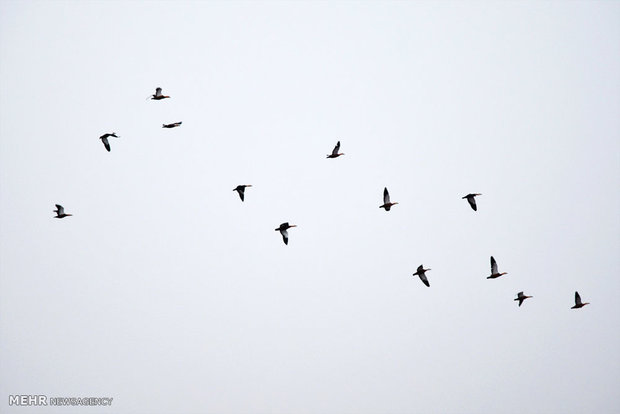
{"x": 158, "y": 92}
{"x": 60, "y": 209}
{"x": 577, "y": 299}
{"x": 336, "y": 149}
{"x": 106, "y": 144}
{"x": 472, "y": 202}
{"x": 493, "y": 266}
{"x": 284, "y": 235}
{"x": 386, "y": 196}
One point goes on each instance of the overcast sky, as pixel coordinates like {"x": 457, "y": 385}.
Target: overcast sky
{"x": 167, "y": 293}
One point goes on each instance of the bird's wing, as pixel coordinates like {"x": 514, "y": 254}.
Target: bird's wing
{"x": 106, "y": 144}
{"x": 520, "y": 294}
{"x": 336, "y": 149}
{"x": 472, "y": 202}
{"x": 284, "y": 235}
{"x": 424, "y": 279}
{"x": 420, "y": 268}
{"x": 493, "y": 266}
{"x": 60, "y": 208}
{"x": 104, "y": 136}
{"x": 386, "y": 196}
{"x": 577, "y": 299}
{"x": 158, "y": 92}
{"x": 241, "y": 192}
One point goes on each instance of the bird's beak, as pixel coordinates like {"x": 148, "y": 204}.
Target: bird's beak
{"x": 294, "y": 225}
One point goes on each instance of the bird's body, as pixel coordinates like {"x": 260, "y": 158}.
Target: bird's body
{"x": 494, "y": 272}
{"x": 241, "y": 190}
{"x": 471, "y": 199}
{"x": 521, "y": 297}
{"x": 173, "y": 125}
{"x": 60, "y": 212}
{"x": 421, "y": 272}
{"x": 387, "y": 205}
{"x": 104, "y": 139}
{"x": 283, "y": 230}
{"x": 578, "y": 302}
{"x": 158, "y": 95}
{"x": 335, "y": 153}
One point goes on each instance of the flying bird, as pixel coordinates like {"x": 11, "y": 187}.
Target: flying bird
{"x": 60, "y": 212}
{"x": 472, "y": 200}
{"x": 335, "y": 153}
{"x": 386, "y": 200}
{"x": 521, "y": 297}
{"x": 173, "y": 125}
{"x": 283, "y": 227}
{"x": 241, "y": 190}
{"x": 578, "y": 303}
{"x": 494, "y": 272}
{"x": 421, "y": 272}
{"x": 158, "y": 95}
{"x": 104, "y": 139}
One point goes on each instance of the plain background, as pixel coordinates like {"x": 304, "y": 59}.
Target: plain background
{"x": 167, "y": 293}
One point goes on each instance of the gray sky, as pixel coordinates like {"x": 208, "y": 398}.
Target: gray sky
{"x": 168, "y": 294}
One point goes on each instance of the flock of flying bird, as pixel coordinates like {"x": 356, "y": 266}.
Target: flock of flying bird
{"x": 283, "y": 228}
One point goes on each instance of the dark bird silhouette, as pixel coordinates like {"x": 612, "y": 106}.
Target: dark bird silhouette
{"x": 283, "y": 230}
{"x": 60, "y": 212}
{"x": 472, "y": 200}
{"x": 387, "y": 205}
{"x": 173, "y": 125}
{"x": 494, "y": 272}
{"x": 104, "y": 139}
{"x": 241, "y": 190}
{"x": 335, "y": 153}
{"x": 578, "y": 303}
{"x": 158, "y": 95}
{"x": 421, "y": 272}
{"x": 521, "y": 297}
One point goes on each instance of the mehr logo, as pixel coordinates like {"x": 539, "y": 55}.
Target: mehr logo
{"x": 30, "y": 400}
{"x": 27, "y": 400}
